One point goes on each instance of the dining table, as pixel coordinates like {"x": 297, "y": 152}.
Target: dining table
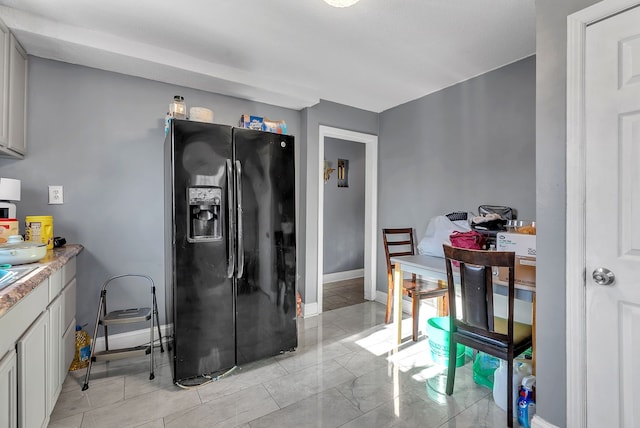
{"x": 433, "y": 268}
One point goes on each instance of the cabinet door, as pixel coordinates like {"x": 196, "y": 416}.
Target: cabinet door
{"x": 17, "y": 97}
{"x": 32, "y": 374}
{"x": 68, "y": 350}
{"x": 56, "y": 350}
{"x": 69, "y": 304}
{"x": 4, "y": 84}
{"x": 8, "y": 391}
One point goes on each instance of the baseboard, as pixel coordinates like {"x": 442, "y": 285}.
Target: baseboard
{"x": 130, "y": 338}
{"x": 538, "y": 422}
{"x": 309, "y": 309}
{"x": 343, "y": 276}
{"x": 381, "y": 297}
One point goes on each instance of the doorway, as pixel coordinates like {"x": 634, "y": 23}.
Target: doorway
{"x": 343, "y": 208}
{"x": 371, "y": 207}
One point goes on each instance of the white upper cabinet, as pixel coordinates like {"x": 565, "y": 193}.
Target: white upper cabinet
{"x": 5, "y": 40}
{"x": 13, "y": 95}
{"x": 17, "y": 97}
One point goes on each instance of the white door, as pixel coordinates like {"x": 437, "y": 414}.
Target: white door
{"x": 612, "y": 137}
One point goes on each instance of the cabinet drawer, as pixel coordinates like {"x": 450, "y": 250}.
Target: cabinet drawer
{"x": 69, "y": 304}
{"x": 55, "y": 284}
{"x": 68, "y": 271}
{"x": 21, "y": 315}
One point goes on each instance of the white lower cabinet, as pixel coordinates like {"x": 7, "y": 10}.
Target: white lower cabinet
{"x": 33, "y": 356}
{"x": 54, "y": 363}
{"x": 37, "y": 346}
{"x": 9, "y": 391}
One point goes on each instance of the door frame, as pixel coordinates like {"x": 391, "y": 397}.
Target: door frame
{"x": 370, "y": 205}
{"x": 576, "y": 313}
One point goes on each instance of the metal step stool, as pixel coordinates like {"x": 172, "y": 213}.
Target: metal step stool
{"x": 124, "y": 316}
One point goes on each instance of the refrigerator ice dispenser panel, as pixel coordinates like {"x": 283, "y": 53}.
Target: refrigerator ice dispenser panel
{"x": 204, "y": 208}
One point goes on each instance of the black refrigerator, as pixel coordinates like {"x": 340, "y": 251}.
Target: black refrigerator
{"x": 230, "y": 264}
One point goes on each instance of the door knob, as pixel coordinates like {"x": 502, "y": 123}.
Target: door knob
{"x": 603, "y": 276}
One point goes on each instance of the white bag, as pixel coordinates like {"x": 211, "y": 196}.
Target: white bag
{"x": 438, "y": 231}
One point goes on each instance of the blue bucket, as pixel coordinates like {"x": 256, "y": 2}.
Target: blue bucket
{"x": 438, "y": 332}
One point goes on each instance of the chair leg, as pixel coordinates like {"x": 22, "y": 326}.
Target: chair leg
{"x": 415, "y": 315}
{"x": 387, "y": 317}
{"x": 510, "y": 393}
{"x": 451, "y": 366}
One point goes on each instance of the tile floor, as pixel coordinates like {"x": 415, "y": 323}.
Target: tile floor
{"x": 340, "y": 294}
{"x": 345, "y": 373}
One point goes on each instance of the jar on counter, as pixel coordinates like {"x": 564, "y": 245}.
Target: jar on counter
{"x": 177, "y": 108}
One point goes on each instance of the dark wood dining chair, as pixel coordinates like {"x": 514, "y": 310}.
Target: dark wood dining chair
{"x": 399, "y": 242}
{"x": 478, "y": 327}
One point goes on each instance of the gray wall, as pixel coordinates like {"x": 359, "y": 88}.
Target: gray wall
{"x": 551, "y": 42}
{"x": 338, "y": 116}
{"x": 470, "y": 144}
{"x": 100, "y": 135}
{"x": 344, "y": 209}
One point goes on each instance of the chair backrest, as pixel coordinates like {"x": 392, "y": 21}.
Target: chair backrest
{"x": 397, "y": 242}
{"x": 476, "y": 290}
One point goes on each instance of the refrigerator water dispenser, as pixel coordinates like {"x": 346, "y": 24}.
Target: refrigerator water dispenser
{"x": 204, "y": 213}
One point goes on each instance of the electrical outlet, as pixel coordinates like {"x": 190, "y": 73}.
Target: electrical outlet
{"x": 55, "y": 195}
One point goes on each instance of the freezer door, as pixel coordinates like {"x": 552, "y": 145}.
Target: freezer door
{"x": 265, "y": 301}
{"x": 203, "y": 291}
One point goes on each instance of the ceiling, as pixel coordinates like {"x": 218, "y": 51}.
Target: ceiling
{"x": 374, "y": 55}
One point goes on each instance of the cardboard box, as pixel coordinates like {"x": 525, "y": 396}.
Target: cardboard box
{"x": 525, "y": 271}
{"x": 251, "y": 122}
{"x": 520, "y": 243}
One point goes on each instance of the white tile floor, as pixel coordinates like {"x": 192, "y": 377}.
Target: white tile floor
{"x": 345, "y": 373}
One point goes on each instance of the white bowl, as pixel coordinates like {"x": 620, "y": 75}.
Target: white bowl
{"x": 21, "y": 253}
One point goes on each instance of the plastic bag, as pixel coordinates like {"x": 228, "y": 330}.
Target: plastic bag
{"x": 484, "y": 368}
{"x": 437, "y": 233}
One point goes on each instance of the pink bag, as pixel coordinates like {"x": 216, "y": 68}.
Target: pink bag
{"x": 472, "y": 240}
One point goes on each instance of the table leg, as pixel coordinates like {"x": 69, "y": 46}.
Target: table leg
{"x": 397, "y": 301}
{"x": 443, "y": 302}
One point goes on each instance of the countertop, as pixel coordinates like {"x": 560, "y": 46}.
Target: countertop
{"x": 53, "y": 261}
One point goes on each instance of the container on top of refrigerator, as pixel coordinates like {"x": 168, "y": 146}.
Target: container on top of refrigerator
{"x": 276, "y": 126}
{"x": 251, "y": 122}
{"x": 263, "y": 124}
{"x": 201, "y": 114}
{"x": 177, "y": 108}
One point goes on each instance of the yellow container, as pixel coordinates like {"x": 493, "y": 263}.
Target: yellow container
{"x": 39, "y": 228}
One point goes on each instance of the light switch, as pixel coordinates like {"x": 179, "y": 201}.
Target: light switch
{"x": 55, "y": 195}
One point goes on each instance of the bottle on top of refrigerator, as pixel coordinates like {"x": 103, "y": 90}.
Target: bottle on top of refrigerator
{"x": 177, "y": 108}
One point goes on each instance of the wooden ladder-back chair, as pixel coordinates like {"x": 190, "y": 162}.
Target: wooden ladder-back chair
{"x": 479, "y": 328}
{"x": 399, "y": 242}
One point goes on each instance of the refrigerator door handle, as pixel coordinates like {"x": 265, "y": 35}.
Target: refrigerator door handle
{"x": 231, "y": 266}
{"x": 240, "y": 245}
